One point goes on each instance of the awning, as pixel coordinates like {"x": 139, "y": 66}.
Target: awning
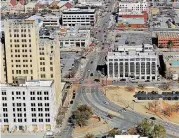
{"x": 48, "y": 127}
{"x": 34, "y": 127}
{"x": 6, "y": 127}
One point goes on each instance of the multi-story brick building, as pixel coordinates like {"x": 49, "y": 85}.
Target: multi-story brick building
{"x": 165, "y": 37}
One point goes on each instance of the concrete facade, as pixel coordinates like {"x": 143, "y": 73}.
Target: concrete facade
{"x": 29, "y": 58}
{"x": 132, "y": 63}
{"x": 28, "y": 107}
{"x": 77, "y": 16}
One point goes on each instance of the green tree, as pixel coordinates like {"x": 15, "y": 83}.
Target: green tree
{"x": 82, "y": 115}
{"x": 114, "y": 132}
{"x": 170, "y": 44}
{"x": 144, "y": 128}
{"x": 150, "y": 129}
{"x": 89, "y": 136}
{"x": 158, "y": 131}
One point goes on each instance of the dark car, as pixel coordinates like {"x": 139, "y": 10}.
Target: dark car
{"x": 91, "y": 62}
{"x": 110, "y": 116}
{"x": 123, "y": 80}
{"x": 91, "y": 74}
{"x": 153, "y": 118}
{"x": 71, "y": 102}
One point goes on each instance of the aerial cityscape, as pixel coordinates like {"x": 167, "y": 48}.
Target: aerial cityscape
{"x": 89, "y": 69}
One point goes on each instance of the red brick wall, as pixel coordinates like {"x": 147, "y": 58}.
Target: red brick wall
{"x": 164, "y": 41}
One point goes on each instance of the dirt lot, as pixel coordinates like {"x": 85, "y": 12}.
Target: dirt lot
{"x": 94, "y": 127}
{"x": 124, "y": 98}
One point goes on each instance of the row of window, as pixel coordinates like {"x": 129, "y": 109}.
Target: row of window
{"x": 17, "y": 35}
{"x": 134, "y": 59}
{"x": 17, "y": 40}
{"x": 39, "y": 98}
{"x": 22, "y": 30}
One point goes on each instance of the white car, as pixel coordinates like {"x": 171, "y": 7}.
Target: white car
{"x": 106, "y": 103}
{"x": 89, "y": 70}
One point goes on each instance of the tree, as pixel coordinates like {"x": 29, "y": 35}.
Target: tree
{"x": 170, "y": 44}
{"x": 130, "y": 88}
{"x": 141, "y": 86}
{"x": 164, "y": 86}
{"x": 82, "y": 114}
{"x": 114, "y": 132}
{"x": 149, "y": 129}
{"x": 89, "y": 136}
{"x": 144, "y": 128}
{"x": 158, "y": 131}
{"x": 168, "y": 74}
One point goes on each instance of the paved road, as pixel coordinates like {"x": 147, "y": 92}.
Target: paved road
{"x": 91, "y": 95}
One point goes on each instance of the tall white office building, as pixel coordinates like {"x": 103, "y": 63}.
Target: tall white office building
{"x": 133, "y": 63}
{"x": 29, "y": 106}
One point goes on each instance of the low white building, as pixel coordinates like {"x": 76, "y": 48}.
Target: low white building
{"x": 133, "y": 63}
{"x": 77, "y": 16}
{"x": 90, "y": 3}
{"x": 75, "y": 38}
{"x": 135, "y": 6}
{"x": 46, "y": 20}
{"x": 28, "y": 106}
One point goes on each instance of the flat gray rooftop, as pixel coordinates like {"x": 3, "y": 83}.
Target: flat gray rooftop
{"x": 133, "y": 38}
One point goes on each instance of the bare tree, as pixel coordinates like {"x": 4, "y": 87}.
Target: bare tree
{"x": 130, "y": 88}
{"x": 168, "y": 74}
{"x": 164, "y": 86}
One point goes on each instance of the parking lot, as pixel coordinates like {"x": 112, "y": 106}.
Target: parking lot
{"x": 67, "y": 61}
{"x": 133, "y": 38}
{"x": 142, "y": 95}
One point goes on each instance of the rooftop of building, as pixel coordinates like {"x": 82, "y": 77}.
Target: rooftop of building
{"x": 132, "y": 1}
{"x": 133, "y": 38}
{"x": 46, "y": 16}
{"x": 168, "y": 35}
{"x": 31, "y": 83}
{"x": 131, "y": 20}
{"x": 133, "y": 54}
{"x": 76, "y": 10}
{"x": 74, "y": 33}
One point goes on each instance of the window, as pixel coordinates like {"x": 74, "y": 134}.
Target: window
{"x": 33, "y": 120}
{"x": 33, "y": 115}
{"x": 46, "y": 98}
{"x": 45, "y": 92}
{"x": 47, "y": 115}
{"x": 39, "y": 104}
{"x": 3, "y": 92}
{"x": 40, "y": 120}
{"x": 46, "y": 104}
{"x": 46, "y": 109}
{"x": 51, "y": 68}
{"x": 4, "y": 98}
{"x": 4, "y": 109}
{"x": 6, "y": 120}
{"x": 47, "y": 120}
{"x": 4, "y": 104}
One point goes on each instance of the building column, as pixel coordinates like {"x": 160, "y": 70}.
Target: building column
{"x": 118, "y": 69}
{"x": 113, "y": 69}
{"x": 140, "y": 69}
{"x": 145, "y": 70}
{"x": 150, "y": 70}
{"x": 123, "y": 69}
